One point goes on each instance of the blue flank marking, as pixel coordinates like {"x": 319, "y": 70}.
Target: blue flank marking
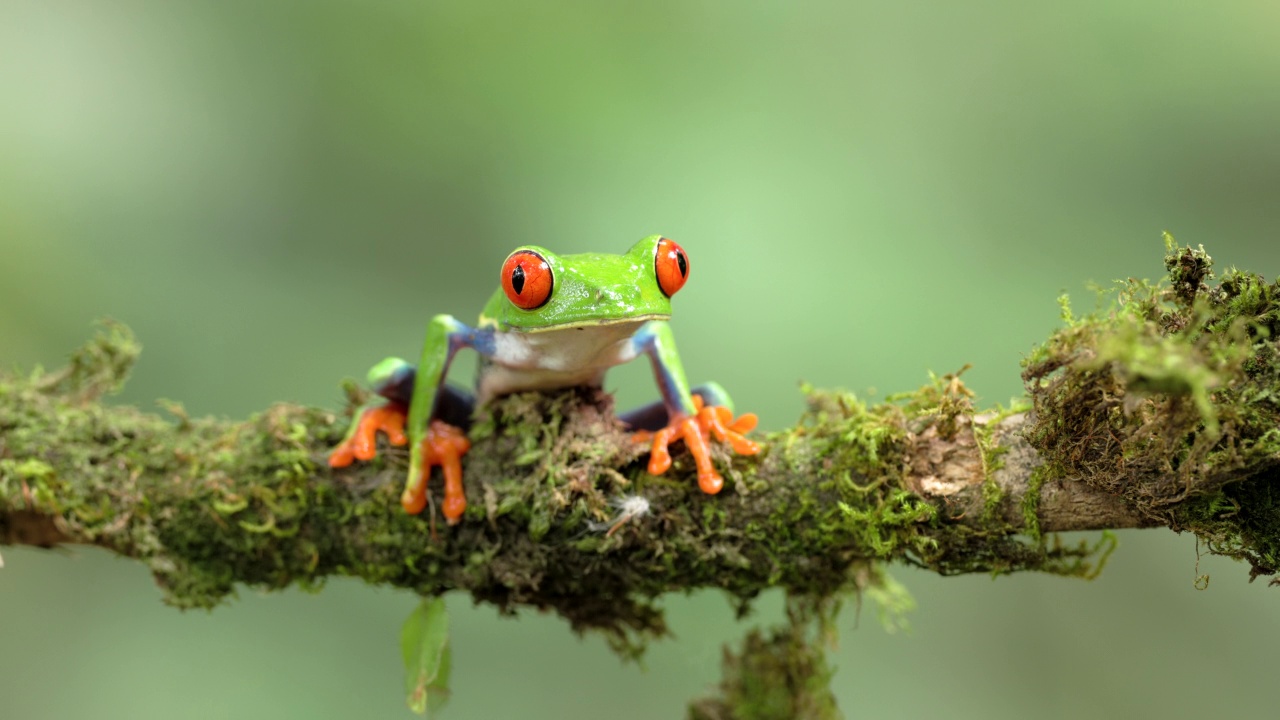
{"x": 481, "y": 340}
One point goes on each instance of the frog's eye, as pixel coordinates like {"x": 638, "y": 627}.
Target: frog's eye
{"x": 527, "y": 280}
{"x": 672, "y": 266}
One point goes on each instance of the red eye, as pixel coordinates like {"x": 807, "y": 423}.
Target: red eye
{"x": 672, "y": 266}
{"x": 526, "y": 278}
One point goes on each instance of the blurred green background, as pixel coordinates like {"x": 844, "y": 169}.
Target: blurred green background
{"x": 276, "y": 194}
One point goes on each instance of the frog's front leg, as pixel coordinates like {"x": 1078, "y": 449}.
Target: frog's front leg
{"x": 436, "y": 415}
{"x": 432, "y": 440}
{"x": 688, "y": 419}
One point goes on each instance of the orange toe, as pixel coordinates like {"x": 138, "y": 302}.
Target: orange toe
{"x": 341, "y": 456}
{"x": 414, "y": 499}
{"x": 444, "y": 445}
{"x": 744, "y": 424}
{"x": 361, "y": 442}
{"x": 696, "y": 432}
{"x": 659, "y": 454}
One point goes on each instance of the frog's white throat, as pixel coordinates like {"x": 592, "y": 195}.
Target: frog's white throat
{"x": 556, "y": 357}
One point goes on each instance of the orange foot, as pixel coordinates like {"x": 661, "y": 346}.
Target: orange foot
{"x": 696, "y": 431}
{"x": 444, "y": 445}
{"x": 361, "y": 443}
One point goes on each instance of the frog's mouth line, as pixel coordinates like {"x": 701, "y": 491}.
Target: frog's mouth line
{"x": 634, "y": 319}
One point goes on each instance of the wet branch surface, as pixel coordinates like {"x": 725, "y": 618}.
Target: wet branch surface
{"x": 1162, "y": 409}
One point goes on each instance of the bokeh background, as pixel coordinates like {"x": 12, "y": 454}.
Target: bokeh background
{"x": 276, "y": 194}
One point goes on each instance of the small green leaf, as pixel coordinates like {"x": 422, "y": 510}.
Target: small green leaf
{"x": 425, "y": 644}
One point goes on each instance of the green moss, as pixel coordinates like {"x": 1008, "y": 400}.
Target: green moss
{"x": 992, "y": 455}
{"x": 884, "y": 528}
{"x": 1170, "y": 397}
{"x": 1031, "y": 501}
{"x": 866, "y": 449}
{"x": 992, "y": 498}
{"x": 782, "y": 674}
{"x": 773, "y": 677}
{"x": 1240, "y": 521}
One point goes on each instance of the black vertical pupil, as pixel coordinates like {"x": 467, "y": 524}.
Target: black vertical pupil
{"x": 684, "y": 264}
{"x": 517, "y": 279}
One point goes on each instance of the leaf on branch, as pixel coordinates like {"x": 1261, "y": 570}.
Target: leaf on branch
{"x": 424, "y": 640}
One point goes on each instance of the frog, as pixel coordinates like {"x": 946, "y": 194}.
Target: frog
{"x": 555, "y": 321}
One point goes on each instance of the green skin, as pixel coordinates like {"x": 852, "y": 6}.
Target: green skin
{"x": 604, "y": 310}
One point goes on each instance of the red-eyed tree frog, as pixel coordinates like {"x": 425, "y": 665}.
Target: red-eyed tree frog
{"x": 556, "y": 321}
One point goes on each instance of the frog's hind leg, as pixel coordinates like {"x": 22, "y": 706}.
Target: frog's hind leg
{"x": 453, "y": 404}
{"x": 393, "y": 379}
{"x": 361, "y": 441}
{"x": 654, "y": 416}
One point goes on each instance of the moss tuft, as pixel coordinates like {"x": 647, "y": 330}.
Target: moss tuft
{"x": 782, "y": 674}
{"x": 1170, "y": 397}
{"x": 884, "y": 518}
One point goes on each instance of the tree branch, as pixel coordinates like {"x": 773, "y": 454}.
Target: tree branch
{"x": 1163, "y": 409}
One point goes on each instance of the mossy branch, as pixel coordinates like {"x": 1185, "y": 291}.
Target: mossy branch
{"x": 1162, "y": 408}
{"x": 209, "y": 504}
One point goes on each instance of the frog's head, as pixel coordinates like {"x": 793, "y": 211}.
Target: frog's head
{"x": 543, "y": 291}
